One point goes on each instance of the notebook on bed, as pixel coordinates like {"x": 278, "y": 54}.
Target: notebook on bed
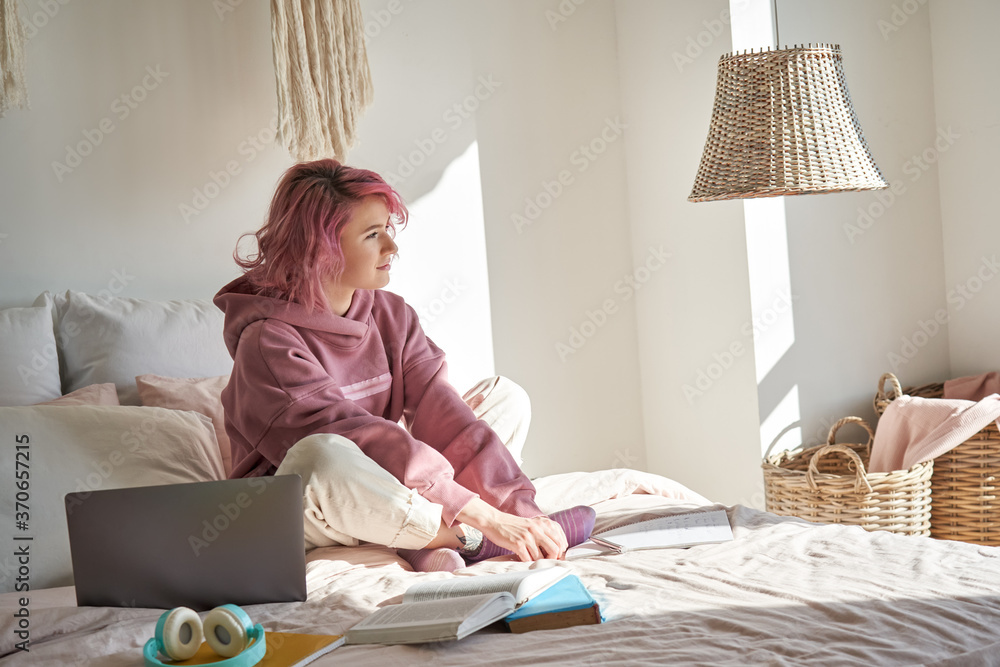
{"x": 196, "y": 545}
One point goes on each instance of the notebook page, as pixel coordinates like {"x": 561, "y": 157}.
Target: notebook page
{"x": 680, "y": 530}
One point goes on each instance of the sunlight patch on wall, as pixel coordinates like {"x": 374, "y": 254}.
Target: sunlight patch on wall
{"x": 770, "y": 282}
{"x": 770, "y": 304}
{"x": 441, "y": 270}
{"x": 754, "y": 27}
{"x": 782, "y": 429}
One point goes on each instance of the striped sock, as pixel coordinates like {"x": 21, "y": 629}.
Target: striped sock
{"x": 577, "y": 522}
{"x": 432, "y": 560}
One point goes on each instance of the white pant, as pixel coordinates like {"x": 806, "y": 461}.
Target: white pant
{"x": 348, "y": 498}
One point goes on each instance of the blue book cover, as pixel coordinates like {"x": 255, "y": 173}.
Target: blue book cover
{"x": 567, "y": 594}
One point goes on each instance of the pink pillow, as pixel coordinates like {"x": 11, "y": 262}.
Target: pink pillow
{"x": 202, "y": 395}
{"x": 95, "y": 394}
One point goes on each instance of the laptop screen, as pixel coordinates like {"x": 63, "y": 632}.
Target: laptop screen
{"x": 197, "y": 545}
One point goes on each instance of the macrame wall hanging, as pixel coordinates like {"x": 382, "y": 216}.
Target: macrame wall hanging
{"x": 321, "y": 66}
{"x": 13, "y": 89}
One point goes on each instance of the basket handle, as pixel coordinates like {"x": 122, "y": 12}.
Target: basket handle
{"x": 831, "y": 438}
{"x": 861, "y": 484}
{"x": 883, "y": 397}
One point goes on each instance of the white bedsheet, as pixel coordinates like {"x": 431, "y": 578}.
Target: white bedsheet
{"x": 784, "y": 592}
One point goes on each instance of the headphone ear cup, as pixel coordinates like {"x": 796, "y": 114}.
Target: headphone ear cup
{"x": 227, "y": 630}
{"x": 179, "y": 633}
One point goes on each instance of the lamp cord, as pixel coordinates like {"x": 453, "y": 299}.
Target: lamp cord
{"x": 774, "y": 13}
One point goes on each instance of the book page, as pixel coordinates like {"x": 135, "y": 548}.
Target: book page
{"x": 679, "y": 530}
{"x": 521, "y": 585}
{"x": 430, "y": 612}
{"x": 432, "y": 620}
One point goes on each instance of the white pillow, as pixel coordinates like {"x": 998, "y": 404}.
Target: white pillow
{"x": 29, "y": 367}
{"x": 86, "y": 448}
{"x": 114, "y": 339}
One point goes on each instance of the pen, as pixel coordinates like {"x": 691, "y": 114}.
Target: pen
{"x": 604, "y": 543}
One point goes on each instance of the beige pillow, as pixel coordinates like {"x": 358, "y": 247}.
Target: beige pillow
{"x": 202, "y": 395}
{"x": 104, "y": 338}
{"x": 58, "y": 449}
{"x": 95, "y": 394}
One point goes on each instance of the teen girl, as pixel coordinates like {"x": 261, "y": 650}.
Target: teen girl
{"x": 334, "y": 380}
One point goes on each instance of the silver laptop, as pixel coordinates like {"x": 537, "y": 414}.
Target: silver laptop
{"x": 195, "y": 545}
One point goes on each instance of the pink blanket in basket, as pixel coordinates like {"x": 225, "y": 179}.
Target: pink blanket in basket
{"x": 973, "y": 387}
{"x": 914, "y": 429}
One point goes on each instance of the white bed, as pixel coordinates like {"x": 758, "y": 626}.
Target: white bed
{"x": 783, "y": 592}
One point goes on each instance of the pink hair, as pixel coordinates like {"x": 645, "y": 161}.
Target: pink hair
{"x": 299, "y": 245}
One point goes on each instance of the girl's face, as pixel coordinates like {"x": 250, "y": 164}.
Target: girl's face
{"x": 367, "y": 245}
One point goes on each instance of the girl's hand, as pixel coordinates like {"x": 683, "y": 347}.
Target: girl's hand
{"x": 529, "y": 539}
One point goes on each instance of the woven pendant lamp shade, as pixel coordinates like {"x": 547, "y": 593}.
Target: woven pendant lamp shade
{"x": 783, "y": 124}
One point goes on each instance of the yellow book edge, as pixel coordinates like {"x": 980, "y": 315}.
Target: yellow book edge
{"x": 284, "y": 649}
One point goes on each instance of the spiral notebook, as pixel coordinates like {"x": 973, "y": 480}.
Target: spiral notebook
{"x": 673, "y": 531}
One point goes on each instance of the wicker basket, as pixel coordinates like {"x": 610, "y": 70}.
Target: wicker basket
{"x": 828, "y": 484}
{"x": 964, "y": 488}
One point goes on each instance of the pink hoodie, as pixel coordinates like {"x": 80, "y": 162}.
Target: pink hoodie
{"x": 296, "y": 373}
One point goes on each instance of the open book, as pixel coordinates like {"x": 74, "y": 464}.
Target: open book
{"x": 452, "y": 608}
{"x": 676, "y": 530}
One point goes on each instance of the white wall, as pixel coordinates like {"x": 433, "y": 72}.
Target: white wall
{"x": 967, "y": 105}
{"x": 605, "y": 363}
{"x": 118, "y": 210}
{"x": 552, "y": 134}
{"x": 155, "y": 208}
{"x": 864, "y": 284}
{"x": 692, "y": 310}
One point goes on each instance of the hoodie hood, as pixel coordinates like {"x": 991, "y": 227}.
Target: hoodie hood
{"x": 243, "y": 305}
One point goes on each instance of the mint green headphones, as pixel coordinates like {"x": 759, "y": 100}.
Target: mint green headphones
{"x": 227, "y": 629}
